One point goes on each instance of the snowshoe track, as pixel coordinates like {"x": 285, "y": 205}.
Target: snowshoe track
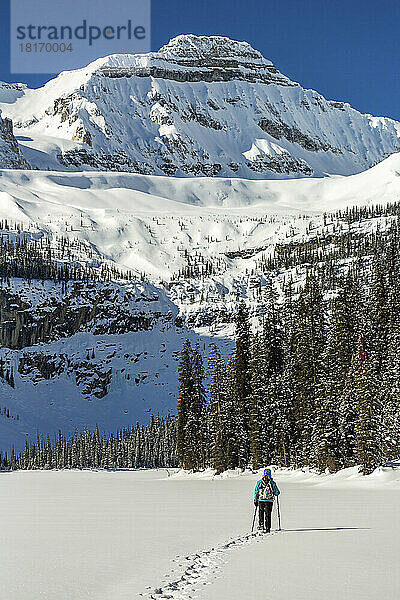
{"x": 199, "y": 569}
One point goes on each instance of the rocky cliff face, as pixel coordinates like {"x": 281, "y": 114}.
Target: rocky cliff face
{"x": 56, "y": 311}
{"x": 200, "y": 106}
{"x": 11, "y": 156}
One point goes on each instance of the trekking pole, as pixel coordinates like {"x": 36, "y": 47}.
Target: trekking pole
{"x": 279, "y": 514}
{"x": 254, "y": 518}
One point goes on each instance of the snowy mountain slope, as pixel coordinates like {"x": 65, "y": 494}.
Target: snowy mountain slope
{"x": 199, "y": 106}
{"x": 138, "y": 221}
{"x": 106, "y": 352}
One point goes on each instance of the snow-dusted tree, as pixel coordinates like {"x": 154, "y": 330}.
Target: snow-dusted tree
{"x": 184, "y": 399}
{"x": 342, "y": 334}
{"x": 258, "y": 382}
{"x": 377, "y": 330}
{"x": 220, "y": 419}
{"x": 308, "y": 365}
{"x": 390, "y": 386}
{"x": 196, "y": 424}
{"x": 191, "y": 422}
{"x": 368, "y": 442}
{"x": 268, "y": 377}
{"x": 241, "y": 362}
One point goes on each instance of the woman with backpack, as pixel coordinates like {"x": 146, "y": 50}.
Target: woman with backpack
{"x": 264, "y": 495}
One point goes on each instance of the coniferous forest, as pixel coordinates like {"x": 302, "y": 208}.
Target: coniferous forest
{"x": 151, "y": 446}
{"x": 316, "y": 383}
{"x": 314, "y": 378}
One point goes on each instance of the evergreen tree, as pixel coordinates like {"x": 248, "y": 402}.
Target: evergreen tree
{"x": 220, "y": 422}
{"x": 196, "y": 425}
{"x": 184, "y": 400}
{"x": 378, "y": 315}
{"x": 391, "y": 397}
{"x": 258, "y": 384}
{"x": 308, "y": 362}
{"x": 191, "y": 422}
{"x": 242, "y": 386}
{"x": 343, "y": 332}
{"x": 367, "y": 432}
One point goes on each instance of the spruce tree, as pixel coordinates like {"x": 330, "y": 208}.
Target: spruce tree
{"x": 343, "y": 331}
{"x": 390, "y": 386}
{"x": 184, "y": 400}
{"x": 368, "y": 446}
{"x": 220, "y": 421}
{"x": 308, "y": 362}
{"x": 196, "y": 434}
{"x": 242, "y": 385}
{"x": 258, "y": 384}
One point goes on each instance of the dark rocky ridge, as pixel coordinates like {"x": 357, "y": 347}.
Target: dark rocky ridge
{"x": 279, "y": 130}
{"x": 10, "y": 153}
{"x": 227, "y": 71}
{"x": 205, "y": 58}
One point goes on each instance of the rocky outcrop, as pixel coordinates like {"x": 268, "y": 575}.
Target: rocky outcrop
{"x": 92, "y": 378}
{"x": 83, "y": 308}
{"x": 284, "y": 164}
{"x": 11, "y": 156}
{"x": 118, "y": 161}
{"x": 279, "y": 130}
{"x": 191, "y": 58}
{"x": 22, "y": 324}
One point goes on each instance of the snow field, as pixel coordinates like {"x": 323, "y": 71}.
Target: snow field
{"x": 96, "y": 535}
{"x": 146, "y": 223}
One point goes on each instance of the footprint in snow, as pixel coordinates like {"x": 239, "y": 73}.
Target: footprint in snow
{"x": 202, "y": 567}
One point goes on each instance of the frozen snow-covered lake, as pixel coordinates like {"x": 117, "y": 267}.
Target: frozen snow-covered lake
{"x": 101, "y": 535}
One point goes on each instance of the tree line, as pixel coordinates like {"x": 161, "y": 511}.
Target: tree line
{"x": 142, "y": 446}
{"x": 58, "y": 260}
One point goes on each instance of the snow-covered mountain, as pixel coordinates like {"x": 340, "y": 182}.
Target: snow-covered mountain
{"x": 103, "y": 274}
{"x": 199, "y": 106}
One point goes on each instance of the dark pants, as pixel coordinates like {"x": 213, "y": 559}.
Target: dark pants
{"x": 264, "y": 512}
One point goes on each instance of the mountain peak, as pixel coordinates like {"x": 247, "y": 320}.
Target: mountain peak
{"x": 194, "y": 58}
{"x": 201, "y": 105}
{"x": 211, "y": 47}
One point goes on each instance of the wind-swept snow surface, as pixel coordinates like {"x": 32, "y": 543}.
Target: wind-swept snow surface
{"x": 101, "y": 535}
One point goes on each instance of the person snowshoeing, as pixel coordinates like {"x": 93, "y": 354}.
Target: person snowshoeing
{"x": 264, "y": 495}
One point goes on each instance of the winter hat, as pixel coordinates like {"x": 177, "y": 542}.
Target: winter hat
{"x": 267, "y": 473}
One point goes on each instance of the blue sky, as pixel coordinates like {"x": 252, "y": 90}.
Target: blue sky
{"x": 346, "y": 49}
